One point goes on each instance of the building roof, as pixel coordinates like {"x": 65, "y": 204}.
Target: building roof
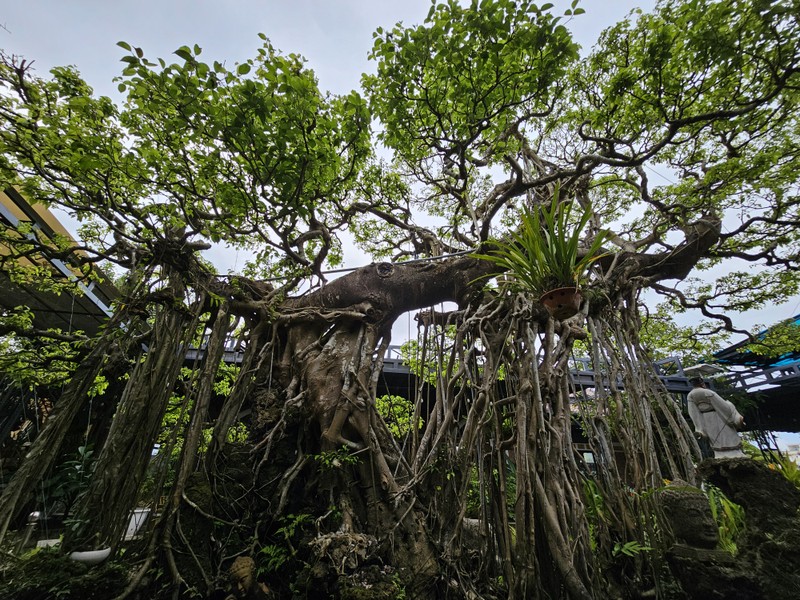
{"x": 69, "y": 312}
{"x": 737, "y": 354}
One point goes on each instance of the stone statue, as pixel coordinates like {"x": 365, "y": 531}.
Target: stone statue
{"x": 688, "y": 515}
{"x": 702, "y": 570}
{"x": 716, "y": 420}
{"x": 243, "y": 577}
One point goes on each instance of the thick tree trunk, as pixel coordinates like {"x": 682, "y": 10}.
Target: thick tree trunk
{"x": 329, "y": 358}
{"x": 106, "y": 505}
{"x": 333, "y": 376}
{"x": 384, "y": 290}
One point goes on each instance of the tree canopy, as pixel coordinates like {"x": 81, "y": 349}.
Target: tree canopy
{"x": 473, "y": 121}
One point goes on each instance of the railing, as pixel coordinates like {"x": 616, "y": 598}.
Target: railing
{"x": 233, "y": 353}
{"x": 668, "y": 370}
{"x": 749, "y": 379}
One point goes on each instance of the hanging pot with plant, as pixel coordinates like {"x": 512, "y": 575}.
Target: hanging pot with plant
{"x": 562, "y": 303}
{"x": 544, "y": 256}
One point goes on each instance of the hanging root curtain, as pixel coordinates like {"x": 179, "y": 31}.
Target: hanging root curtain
{"x": 480, "y": 492}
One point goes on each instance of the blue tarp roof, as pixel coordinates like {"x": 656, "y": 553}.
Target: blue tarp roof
{"x": 736, "y": 355}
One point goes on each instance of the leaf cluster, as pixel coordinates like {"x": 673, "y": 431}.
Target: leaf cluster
{"x": 729, "y": 516}
{"x": 254, "y": 155}
{"x": 456, "y": 84}
{"x": 398, "y": 414}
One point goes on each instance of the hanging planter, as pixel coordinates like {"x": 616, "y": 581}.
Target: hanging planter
{"x": 544, "y": 255}
{"x": 562, "y": 303}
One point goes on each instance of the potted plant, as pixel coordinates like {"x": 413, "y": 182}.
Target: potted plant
{"x": 544, "y": 256}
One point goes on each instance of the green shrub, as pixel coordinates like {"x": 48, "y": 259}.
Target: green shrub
{"x": 46, "y": 574}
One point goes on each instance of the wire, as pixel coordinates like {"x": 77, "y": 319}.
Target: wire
{"x": 349, "y": 269}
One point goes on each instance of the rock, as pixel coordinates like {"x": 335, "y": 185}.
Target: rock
{"x": 769, "y": 552}
{"x": 770, "y": 501}
{"x": 712, "y": 574}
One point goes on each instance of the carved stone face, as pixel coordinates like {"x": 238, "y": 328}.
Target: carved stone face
{"x": 242, "y": 575}
{"x": 245, "y": 584}
{"x": 689, "y": 516}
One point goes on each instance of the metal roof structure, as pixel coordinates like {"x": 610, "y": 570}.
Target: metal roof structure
{"x": 773, "y": 381}
{"x": 748, "y": 370}
{"x": 738, "y": 354}
{"x": 86, "y": 311}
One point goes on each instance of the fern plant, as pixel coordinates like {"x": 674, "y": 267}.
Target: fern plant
{"x": 729, "y": 516}
{"x": 789, "y": 469}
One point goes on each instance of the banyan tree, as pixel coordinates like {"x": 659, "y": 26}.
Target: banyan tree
{"x": 289, "y": 464}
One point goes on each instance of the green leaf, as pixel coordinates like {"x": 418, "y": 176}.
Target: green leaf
{"x": 185, "y": 53}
